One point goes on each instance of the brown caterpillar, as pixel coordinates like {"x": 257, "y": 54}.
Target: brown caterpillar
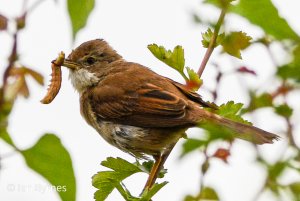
{"x": 55, "y": 82}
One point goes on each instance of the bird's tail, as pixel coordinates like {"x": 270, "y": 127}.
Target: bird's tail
{"x": 239, "y": 130}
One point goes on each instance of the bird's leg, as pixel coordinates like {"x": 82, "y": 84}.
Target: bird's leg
{"x": 157, "y": 166}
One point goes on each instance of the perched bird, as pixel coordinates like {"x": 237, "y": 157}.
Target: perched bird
{"x": 137, "y": 110}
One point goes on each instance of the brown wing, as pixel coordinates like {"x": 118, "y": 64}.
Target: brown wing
{"x": 148, "y": 106}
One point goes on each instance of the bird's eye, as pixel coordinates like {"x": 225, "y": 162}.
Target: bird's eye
{"x": 90, "y": 60}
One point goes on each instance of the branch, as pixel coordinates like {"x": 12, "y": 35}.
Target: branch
{"x": 12, "y": 58}
{"x": 212, "y": 42}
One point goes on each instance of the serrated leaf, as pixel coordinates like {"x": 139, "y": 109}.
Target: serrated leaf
{"x": 102, "y": 194}
{"x": 234, "y": 42}
{"x": 191, "y": 144}
{"x": 174, "y": 59}
{"x": 119, "y": 165}
{"x": 265, "y": 15}
{"x": 284, "y": 110}
{"x": 50, "y": 159}
{"x": 79, "y": 11}
{"x": 207, "y": 36}
{"x": 232, "y": 111}
{"x": 106, "y": 181}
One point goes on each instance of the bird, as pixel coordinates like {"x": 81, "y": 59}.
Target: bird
{"x": 139, "y": 111}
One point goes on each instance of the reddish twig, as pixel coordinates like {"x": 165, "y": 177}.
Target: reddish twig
{"x": 212, "y": 42}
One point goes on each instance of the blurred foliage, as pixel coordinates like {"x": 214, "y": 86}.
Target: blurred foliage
{"x": 47, "y": 157}
{"x": 263, "y": 14}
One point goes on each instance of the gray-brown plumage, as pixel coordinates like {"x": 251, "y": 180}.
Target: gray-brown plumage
{"x": 137, "y": 110}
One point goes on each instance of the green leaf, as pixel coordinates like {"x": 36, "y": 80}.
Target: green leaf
{"x": 174, "y": 59}
{"x": 49, "y": 158}
{"x": 4, "y": 135}
{"x": 79, "y": 11}
{"x": 284, "y": 110}
{"x": 208, "y": 194}
{"x": 295, "y": 188}
{"x": 289, "y": 71}
{"x": 217, "y": 132}
{"x": 265, "y": 15}
{"x": 296, "y": 55}
{"x": 259, "y": 101}
{"x": 106, "y": 181}
{"x": 189, "y": 198}
{"x": 120, "y": 165}
{"x": 148, "y": 194}
{"x": 277, "y": 169}
{"x": 207, "y": 36}
{"x": 231, "y": 110}
{"x": 191, "y": 144}
{"x": 235, "y": 42}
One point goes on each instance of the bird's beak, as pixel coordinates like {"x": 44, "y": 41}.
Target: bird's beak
{"x": 70, "y": 64}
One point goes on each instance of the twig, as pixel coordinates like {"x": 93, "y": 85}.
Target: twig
{"x": 212, "y": 42}
{"x": 12, "y": 58}
{"x": 290, "y": 133}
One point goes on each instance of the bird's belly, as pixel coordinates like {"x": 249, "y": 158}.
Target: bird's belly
{"x": 135, "y": 140}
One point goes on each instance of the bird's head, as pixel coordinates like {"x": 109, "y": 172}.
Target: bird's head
{"x": 89, "y": 62}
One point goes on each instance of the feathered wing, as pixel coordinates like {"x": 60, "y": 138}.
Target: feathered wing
{"x": 148, "y": 106}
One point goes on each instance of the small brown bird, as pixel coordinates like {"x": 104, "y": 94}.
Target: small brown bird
{"x": 137, "y": 110}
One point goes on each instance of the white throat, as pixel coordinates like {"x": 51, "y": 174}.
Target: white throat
{"x": 82, "y": 78}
